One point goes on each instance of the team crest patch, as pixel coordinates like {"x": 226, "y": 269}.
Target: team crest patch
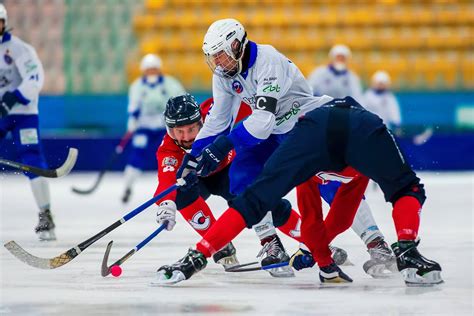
{"x": 169, "y": 164}
{"x": 200, "y": 221}
{"x": 237, "y": 86}
{"x": 7, "y": 58}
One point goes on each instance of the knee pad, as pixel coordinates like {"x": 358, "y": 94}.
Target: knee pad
{"x": 281, "y": 213}
{"x": 415, "y": 190}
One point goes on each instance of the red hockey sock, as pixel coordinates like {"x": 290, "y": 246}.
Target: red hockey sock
{"x": 292, "y": 226}
{"x": 406, "y": 216}
{"x": 229, "y": 225}
{"x": 199, "y": 216}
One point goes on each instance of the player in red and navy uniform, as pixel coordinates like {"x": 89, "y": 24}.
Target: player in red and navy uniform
{"x": 343, "y": 139}
{"x": 184, "y": 118}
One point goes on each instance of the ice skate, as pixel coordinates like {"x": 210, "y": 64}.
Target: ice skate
{"x": 275, "y": 253}
{"x": 126, "y": 196}
{"x": 333, "y": 274}
{"x": 382, "y": 262}
{"x": 339, "y": 256}
{"x": 45, "y": 227}
{"x": 226, "y": 256}
{"x": 416, "y": 269}
{"x": 194, "y": 261}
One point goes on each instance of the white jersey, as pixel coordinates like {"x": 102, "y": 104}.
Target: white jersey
{"x": 327, "y": 80}
{"x": 21, "y": 72}
{"x": 147, "y": 102}
{"x": 384, "y": 105}
{"x": 270, "y": 75}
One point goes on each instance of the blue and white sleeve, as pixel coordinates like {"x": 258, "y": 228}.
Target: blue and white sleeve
{"x": 32, "y": 75}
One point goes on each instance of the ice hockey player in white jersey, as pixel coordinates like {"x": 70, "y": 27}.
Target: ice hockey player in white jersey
{"x": 336, "y": 79}
{"x": 147, "y": 102}
{"x": 380, "y": 100}
{"x": 21, "y": 80}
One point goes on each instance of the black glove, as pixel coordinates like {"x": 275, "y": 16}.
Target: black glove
{"x": 301, "y": 259}
{"x": 212, "y": 155}
{"x": 9, "y": 99}
{"x": 188, "y": 173}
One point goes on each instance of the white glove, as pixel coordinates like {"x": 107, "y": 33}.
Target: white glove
{"x": 166, "y": 213}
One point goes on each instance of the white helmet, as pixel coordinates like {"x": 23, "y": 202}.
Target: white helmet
{"x": 223, "y": 46}
{"x": 3, "y": 15}
{"x": 150, "y": 61}
{"x": 340, "y": 49}
{"x": 381, "y": 78}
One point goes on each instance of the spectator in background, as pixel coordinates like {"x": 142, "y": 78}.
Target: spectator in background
{"x": 21, "y": 80}
{"x": 148, "y": 96}
{"x": 335, "y": 79}
{"x": 380, "y": 100}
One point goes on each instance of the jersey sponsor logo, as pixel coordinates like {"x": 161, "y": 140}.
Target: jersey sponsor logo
{"x": 332, "y": 176}
{"x": 30, "y": 66}
{"x": 7, "y": 58}
{"x": 169, "y": 164}
{"x": 250, "y": 101}
{"x": 199, "y": 221}
{"x": 295, "y": 109}
{"x": 271, "y": 88}
{"x": 266, "y": 104}
{"x": 237, "y": 86}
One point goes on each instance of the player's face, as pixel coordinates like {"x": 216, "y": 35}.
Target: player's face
{"x": 152, "y": 72}
{"x": 223, "y": 64}
{"x": 185, "y": 135}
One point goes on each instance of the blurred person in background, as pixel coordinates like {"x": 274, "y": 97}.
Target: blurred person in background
{"x": 336, "y": 79}
{"x": 380, "y": 100}
{"x": 148, "y": 96}
{"x": 21, "y": 80}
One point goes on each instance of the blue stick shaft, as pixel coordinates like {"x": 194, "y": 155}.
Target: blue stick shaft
{"x": 145, "y": 205}
{"x": 153, "y": 235}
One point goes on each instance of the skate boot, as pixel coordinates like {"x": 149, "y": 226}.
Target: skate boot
{"x": 416, "y": 269}
{"x": 226, "y": 256}
{"x": 45, "y": 227}
{"x": 382, "y": 261}
{"x": 333, "y": 274}
{"x": 275, "y": 253}
{"x": 339, "y": 256}
{"x": 194, "y": 261}
{"x": 126, "y": 195}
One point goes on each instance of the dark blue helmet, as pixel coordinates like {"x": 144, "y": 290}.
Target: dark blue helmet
{"x": 182, "y": 110}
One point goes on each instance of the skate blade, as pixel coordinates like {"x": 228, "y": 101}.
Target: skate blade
{"x": 47, "y": 235}
{"x": 228, "y": 262}
{"x": 377, "y": 270}
{"x": 282, "y": 272}
{"x": 346, "y": 263}
{"x": 163, "y": 280}
{"x": 336, "y": 280}
{"x": 412, "y": 279}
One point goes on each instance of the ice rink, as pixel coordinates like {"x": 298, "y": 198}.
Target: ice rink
{"x": 78, "y": 288}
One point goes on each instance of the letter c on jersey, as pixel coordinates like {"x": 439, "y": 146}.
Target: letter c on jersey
{"x": 266, "y": 104}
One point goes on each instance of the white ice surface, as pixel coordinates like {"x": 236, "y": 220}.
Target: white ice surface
{"x": 78, "y": 288}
